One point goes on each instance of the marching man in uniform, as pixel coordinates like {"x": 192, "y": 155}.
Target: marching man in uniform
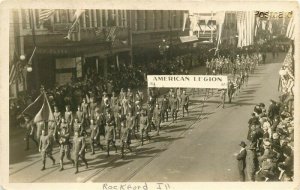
{"x": 29, "y": 126}
{"x": 174, "y": 107}
{"x": 125, "y": 137}
{"x": 45, "y": 148}
{"x": 94, "y": 134}
{"x": 157, "y": 115}
{"x": 68, "y": 116}
{"x": 110, "y": 135}
{"x": 64, "y": 144}
{"x": 79, "y": 150}
{"x": 144, "y": 122}
{"x": 185, "y": 103}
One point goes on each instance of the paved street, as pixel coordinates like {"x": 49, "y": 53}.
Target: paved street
{"x": 199, "y": 147}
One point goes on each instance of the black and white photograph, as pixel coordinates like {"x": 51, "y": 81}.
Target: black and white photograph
{"x": 180, "y": 94}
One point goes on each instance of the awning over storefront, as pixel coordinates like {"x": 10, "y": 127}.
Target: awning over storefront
{"x": 186, "y": 39}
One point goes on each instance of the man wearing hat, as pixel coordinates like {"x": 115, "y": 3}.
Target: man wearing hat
{"x": 251, "y": 161}
{"x": 157, "y": 115}
{"x": 143, "y": 122}
{"x": 241, "y": 157}
{"x": 69, "y": 116}
{"x": 79, "y": 150}
{"x": 29, "y": 126}
{"x": 273, "y": 110}
{"x": 110, "y": 132}
{"x": 64, "y": 142}
{"x": 45, "y": 148}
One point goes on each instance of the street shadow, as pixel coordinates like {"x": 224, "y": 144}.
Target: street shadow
{"x": 176, "y": 130}
{"x": 167, "y": 138}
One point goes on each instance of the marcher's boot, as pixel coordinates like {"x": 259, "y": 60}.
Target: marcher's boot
{"x": 61, "y": 165}
{"x": 53, "y": 160}
{"x": 107, "y": 151}
{"x": 44, "y": 163}
{"x": 122, "y": 151}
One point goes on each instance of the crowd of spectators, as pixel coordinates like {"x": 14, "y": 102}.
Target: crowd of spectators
{"x": 271, "y": 134}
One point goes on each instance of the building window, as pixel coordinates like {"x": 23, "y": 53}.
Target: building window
{"x": 64, "y": 16}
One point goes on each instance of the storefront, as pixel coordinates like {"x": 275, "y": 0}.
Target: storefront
{"x": 58, "y": 61}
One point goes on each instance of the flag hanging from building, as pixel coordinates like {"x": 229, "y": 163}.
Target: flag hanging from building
{"x": 40, "y": 109}
{"x": 220, "y": 17}
{"x": 185, "y": 16}
{"x": 45, "y": 14}
{"x": 290, "y": 32}
{"x": 15, "y": 70}
{"x": 74, "y": 30}
{"x": 111, "y": 33}
{"x": 245, "y": 26}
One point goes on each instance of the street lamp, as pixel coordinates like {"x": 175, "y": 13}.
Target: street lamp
{"x": 29, "y": 68}
{"x": 22, "y": 57}
{"x": 163, "y": 47}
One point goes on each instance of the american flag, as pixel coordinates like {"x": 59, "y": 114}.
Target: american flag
{"x": 290, "y": 32}
{"x": 111, "y": 33}
{"x": 45, "y": 14}
{"x": 100, "y": 33}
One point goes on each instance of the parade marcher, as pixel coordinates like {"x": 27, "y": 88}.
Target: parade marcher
{"x": 68, "y": 116}
{"x": 124, "y": 105}
{"x": 64, "y": 142}
{"x": 156, "y": 120}
{"x": 130, "y": 96}
{"x": 29, "y": 134}
{"x": 174, "y": 107}
{"x": 130, "y": 123}
{"x": 80, "y": 115}
{"x": 230, "y": 90}
{"x": 57, "y": 116}
{"x": 100, "y": 121}
{"x": 241, "y": 157}
{"x": 92, "y": 108}
{"x": 143, "y": 125}
{"x": 222, "y": 97}
{"x": 79, "y": 150}
{"x": 184, "y": 103}
{"x": 77, "y": 127}
{"x": 165, "y": 108}
{"x": 40, "y": 125}
{"x": 45, "y": 148}
{"x": 52, "y": 132}
{"x": 125, "y": 137}
{"x": 110, "y": 132}
{"x": 85, "y": 108}
{"x": 141, "y": 95}
{"x": 122, "y": 94}
{"x": 137, "y": 115}
{"x": 149, "y": 112}
{"x": 94, "y": 134}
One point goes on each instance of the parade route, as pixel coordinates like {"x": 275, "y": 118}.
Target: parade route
{"x": 198, "y": 147}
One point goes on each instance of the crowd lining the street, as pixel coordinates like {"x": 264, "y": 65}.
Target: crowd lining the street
{"x": 270, "y": 154}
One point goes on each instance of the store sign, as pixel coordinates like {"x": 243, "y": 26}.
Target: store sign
{"x": 65, "y": 63}
{"x": 187, "y": 81}
{"x": 185, "y": 39}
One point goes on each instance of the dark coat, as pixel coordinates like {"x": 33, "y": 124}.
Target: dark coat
{"x": 241, "y": 157}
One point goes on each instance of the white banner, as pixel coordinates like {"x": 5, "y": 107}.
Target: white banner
{"x": 187, "y": 81}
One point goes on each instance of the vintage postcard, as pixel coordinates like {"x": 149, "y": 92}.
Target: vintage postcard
{"x": 144, "y": 95}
